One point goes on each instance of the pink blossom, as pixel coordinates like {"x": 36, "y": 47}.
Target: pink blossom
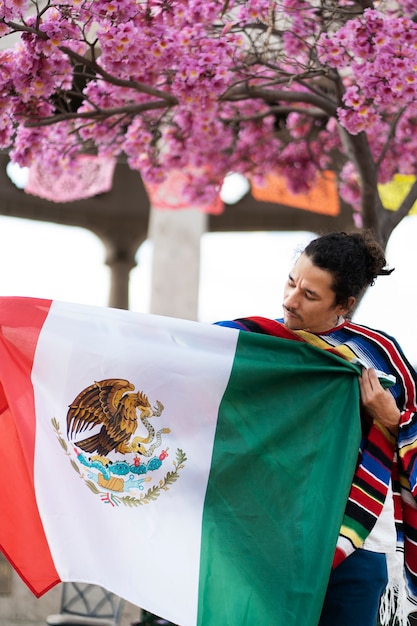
{"x": 10, "y": 10}
{"x": 250, "y": 86}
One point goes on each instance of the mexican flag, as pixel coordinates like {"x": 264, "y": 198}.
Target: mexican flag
{"x": 197, "y": 471}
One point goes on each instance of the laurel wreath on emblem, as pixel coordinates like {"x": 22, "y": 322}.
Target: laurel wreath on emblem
{"x": 111, "y": 408}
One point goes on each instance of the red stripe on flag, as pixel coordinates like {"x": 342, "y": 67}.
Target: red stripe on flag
{"x": 22, "y": 537}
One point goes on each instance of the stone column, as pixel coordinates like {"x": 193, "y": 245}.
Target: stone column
{"x": 121, "y": 260}
{"x": 119, "y": 284}
{"x": 176, "y": 236}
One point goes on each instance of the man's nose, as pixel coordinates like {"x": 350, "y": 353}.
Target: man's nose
{"x": 292, "y": 299}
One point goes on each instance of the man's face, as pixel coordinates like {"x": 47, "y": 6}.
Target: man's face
{"x": 309, "y": 300}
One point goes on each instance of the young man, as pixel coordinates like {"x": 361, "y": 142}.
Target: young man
{"x": 321, "y": 291}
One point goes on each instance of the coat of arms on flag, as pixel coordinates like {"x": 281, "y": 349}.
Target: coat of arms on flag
{"x": 111, "y": 411}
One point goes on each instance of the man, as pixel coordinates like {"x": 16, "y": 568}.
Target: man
{"x": 322, "y": 289}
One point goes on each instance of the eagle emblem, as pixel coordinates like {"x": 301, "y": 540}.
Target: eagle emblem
{"x": 109, "y": 405}
{"x": 102, "y": 424}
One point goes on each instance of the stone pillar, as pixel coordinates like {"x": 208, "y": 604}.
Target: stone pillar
{"x": 176, "y": 236}
{"x": 120, "y": 262}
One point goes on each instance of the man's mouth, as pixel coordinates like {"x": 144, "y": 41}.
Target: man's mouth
{"x": 290, "y": 312}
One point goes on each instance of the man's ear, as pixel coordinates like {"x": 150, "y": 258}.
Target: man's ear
{"x": 350, "y": 303}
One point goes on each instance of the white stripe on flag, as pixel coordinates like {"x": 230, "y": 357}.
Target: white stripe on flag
{"x": 148, "y": 553}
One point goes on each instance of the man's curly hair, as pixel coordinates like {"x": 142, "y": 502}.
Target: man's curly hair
{"x": 354, "y": 260}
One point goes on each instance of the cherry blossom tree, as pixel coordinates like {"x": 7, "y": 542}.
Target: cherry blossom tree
{"x": 214, "y": 86}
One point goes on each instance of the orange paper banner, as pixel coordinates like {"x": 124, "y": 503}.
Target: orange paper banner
{"x": 323, "y": 197}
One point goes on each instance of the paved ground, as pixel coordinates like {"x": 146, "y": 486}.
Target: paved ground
{"x": 20, "y": 607}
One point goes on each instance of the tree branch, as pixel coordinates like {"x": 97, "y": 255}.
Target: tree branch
{"x": 393, "y": 218}
{"x": 272, "y": 96}
{"x": 22, "y": 28}
{"x": 280, "y": 110}
{"x": 98, "y": 114}
{"x": 358, "y": 151}
{"x": 390, "y": 136}
{"x": 367, "y": 4}
{"x": 120, "y": 82}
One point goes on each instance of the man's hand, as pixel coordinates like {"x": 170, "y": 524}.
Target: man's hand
{"x": 378, "y": 402}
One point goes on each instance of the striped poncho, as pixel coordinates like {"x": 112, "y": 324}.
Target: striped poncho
{"x": 381, "y": 457}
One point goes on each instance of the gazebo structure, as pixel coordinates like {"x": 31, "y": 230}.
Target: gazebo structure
{"x": 122, "y": 218}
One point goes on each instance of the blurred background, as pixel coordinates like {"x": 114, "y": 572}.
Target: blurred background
{"x": 240, "y": 273}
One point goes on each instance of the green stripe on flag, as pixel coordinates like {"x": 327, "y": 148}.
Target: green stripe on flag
{"x": 286, "y": 445}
